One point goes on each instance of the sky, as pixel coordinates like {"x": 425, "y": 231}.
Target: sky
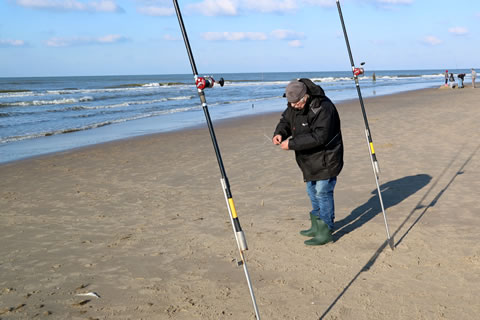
{"x": 135, "y": 37}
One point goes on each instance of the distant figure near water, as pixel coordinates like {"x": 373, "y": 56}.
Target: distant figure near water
{"x": 446, "y": 78}
{"x": 461, "y": 77}
{"x": 374, "y": 78}
{"x": 474, "y": 76}
{"x": 453, "y": 84}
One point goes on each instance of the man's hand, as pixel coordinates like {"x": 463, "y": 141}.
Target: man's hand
{"x": 277, "y": 139}
{"x": 284, "y": 145}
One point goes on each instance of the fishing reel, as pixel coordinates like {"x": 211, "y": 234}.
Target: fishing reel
{"x": 207, "y": 82}
{"x": 359, "y": 71}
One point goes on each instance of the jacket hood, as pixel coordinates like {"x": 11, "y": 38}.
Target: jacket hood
{"x": 312, "y": 88}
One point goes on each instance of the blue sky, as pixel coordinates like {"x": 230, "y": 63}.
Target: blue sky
{"x": 117, "y": 37}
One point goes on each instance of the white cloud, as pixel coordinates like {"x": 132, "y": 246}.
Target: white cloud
{"x": 72, "y": 5}
{"x": 59, "y": 42}
{"x": 216, "y": 7}
{"x": 392, "y": 4}
{"x": 431, "y": 40}
{"x": 284, "y": 34}
{"x": 169, "y": 37}
{"x": 320, "y": 3}
{"x": 234, "y": 36}
{"x": 270, "y": 5}
{"x": 81, "y": 41}
{"x": 295, "y": 44}
{"x": 293, "y": 37}
{"x": 237, "y": 7}
{"x": 156, "y": 11}
{"x": 105, "y": 6}
{"x": 111, "y": 38}
{"x": 459, "y": 31}
{"x": 11, "y": 43}
{"x": 280, "y": 34}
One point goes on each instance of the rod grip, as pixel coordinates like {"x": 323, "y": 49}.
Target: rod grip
{"x": 242, "y": 241}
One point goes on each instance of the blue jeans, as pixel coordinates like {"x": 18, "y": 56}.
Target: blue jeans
{"x": 321, "y": 196}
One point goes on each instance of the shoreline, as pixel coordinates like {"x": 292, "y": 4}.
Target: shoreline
{"x": 190, "y": 127}
{"x": 142, "y": 222}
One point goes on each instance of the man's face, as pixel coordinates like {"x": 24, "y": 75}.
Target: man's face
{"x": 299, "y": 105}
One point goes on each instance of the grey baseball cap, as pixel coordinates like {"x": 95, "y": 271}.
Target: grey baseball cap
{"x": 295, "y": 91}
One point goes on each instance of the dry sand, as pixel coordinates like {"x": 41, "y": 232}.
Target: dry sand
{"x": 143, "y": 223}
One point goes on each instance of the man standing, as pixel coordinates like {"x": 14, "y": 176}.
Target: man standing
{"x": 310, "y": 126}
{"x": 474, "y": 76}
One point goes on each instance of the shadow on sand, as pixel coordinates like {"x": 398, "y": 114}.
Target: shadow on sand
{"x": 393, "y": 192}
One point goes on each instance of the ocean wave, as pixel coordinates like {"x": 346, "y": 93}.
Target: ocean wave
{"x": 58, "y": 102}
{"x": 181, "y": 98}
{"x": 332, "y": 79}
{"x": 28, "y": 93}
{"x": 114, "y": 89}
{"x": 126, "y": 104}
{"x": 94, "y": 125}
{"x": 47, "y": 102}
{"x": 15, "y": 94}
{"x": 433, "y": 75}
{"x": 150, "y": 84}
{"x": 85, "y": 107}
{"x": 164, "y": 84}
{"x": 245, "y": 83}
{"x": 22, "y": 94}
{"x": 13, "y": 91}
{"x": 54, "y": 132}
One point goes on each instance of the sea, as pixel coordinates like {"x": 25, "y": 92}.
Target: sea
{"x": 41, "y": 115}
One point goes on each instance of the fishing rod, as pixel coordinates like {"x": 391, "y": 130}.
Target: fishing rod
{"x": 203, "y": 83}
{"x": 373, "y": 158}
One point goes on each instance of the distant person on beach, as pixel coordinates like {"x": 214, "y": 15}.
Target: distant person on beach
{"x": 474, "y": 76}
{"x": 310, "y": 125}
{"x": 461, "y": 77}
{"x": 446, "y": 77}
{"x": 453, "y": 84}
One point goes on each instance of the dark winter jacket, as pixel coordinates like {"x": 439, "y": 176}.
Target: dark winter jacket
{"x": 315, "y": 135}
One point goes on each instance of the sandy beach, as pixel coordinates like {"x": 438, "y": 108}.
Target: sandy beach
{"x": 143, "y": 223}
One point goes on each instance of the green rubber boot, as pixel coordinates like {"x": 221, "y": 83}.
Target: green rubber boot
{"x": 313, "y": 229}
{"x": 322, "y": 236}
